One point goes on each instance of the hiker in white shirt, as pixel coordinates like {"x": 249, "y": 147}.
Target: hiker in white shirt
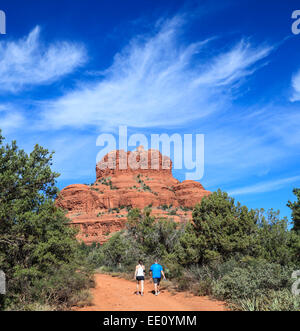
{"x": 139, "y": 275}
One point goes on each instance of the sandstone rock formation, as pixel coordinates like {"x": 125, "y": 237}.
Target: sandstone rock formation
{"x": 123, "y": 180}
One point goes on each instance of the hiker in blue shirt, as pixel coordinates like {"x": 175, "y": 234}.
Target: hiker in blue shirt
{"x": 157, "y": 271}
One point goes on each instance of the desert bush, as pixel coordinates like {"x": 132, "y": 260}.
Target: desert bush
{"x": 172, "y": 212}
{"x": 35, "y": 306}
{"x": 62, "y": 287}
{"x": 245, "y": 283}
{"x": 274, "y": 242}
{"x": 118, "y": 250}
{"x": 252, "y": 280}
{"x": 282, "y": 300}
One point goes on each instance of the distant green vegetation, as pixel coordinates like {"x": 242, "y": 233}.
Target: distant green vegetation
{"x": 170, "y": 209}
{"x": 107, "y": 181}
{"x": 172, "y": 212}
{"x": 143, "y": 186}
{"x": 96, "y": 189}
{"x": 243, "y": 256}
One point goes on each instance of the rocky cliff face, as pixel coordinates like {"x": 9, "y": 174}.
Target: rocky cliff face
{"x": 124, "y": 180}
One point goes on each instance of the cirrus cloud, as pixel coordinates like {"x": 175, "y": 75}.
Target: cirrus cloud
{"x": 27, "y": 62}
{"x": 157, "y": 81}
{"x": 296, "y": 87}
{"x": 267, "y": 186}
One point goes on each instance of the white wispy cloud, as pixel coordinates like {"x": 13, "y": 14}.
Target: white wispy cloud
{"x": 254, "y": 144}
{"x": 10, "y": 119}
{"x": 157, "y": 81}
{"x": 296, "y": 87}
{"x": 265, "y": 186}
{"x": 28, "y": 62}
{"x": 233, "y": 65}
{"x": 284, "y": 126}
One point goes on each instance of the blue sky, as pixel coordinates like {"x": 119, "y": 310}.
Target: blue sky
{"x": 71, "y": 70}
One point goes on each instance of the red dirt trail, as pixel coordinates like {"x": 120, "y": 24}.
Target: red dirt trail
{"x": 117, "y": 294}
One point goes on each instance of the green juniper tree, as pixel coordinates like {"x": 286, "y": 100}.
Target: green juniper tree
{"x": 295, "y": 207}
{"x": 223, "y": 228}
{"x": 37, "y": 245}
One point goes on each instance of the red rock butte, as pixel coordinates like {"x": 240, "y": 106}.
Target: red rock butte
{"x": 128, "y": 180}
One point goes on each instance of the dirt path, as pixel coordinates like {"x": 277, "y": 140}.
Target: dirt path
{"x": 117, "y": 294}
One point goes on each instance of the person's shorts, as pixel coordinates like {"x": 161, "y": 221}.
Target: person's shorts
{"x": 138, "y": 278}
{"x": 156, "y": 280}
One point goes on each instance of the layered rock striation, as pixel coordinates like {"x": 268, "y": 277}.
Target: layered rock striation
{"x": 128, "y": 180}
